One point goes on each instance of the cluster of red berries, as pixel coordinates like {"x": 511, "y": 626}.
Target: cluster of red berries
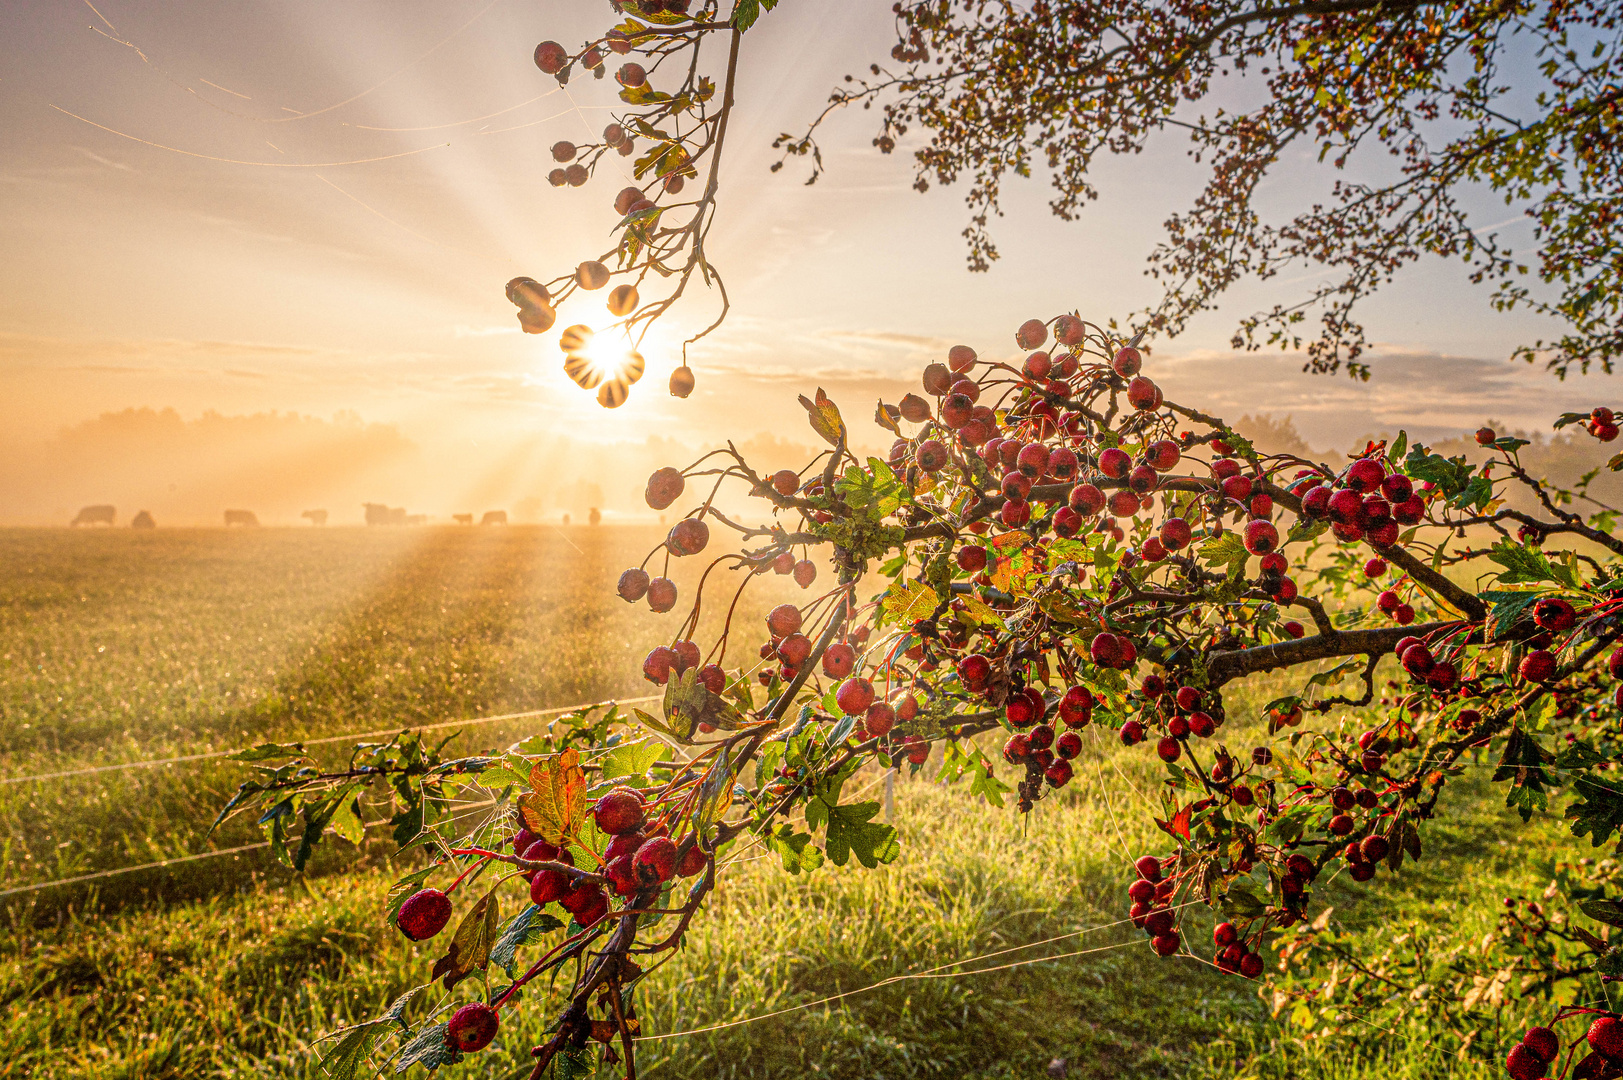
{"x": 1531, "y": 1058}
{"x": 1151, "y": 894}
{"x": 1232, "y": 953}
{"x": 637, "y": 860}
{"x": 1045, "y": 755}
{"x": 1364, "y": 503}
{"x": 1181, "y": 711}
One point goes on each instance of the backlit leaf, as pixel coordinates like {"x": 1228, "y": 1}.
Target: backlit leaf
{"x": 470, "y": 945}
{"x": 556, "y": 802}
{"x": 825, "y": 417}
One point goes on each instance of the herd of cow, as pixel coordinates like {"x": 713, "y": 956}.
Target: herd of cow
{"x": 376, "y": 514}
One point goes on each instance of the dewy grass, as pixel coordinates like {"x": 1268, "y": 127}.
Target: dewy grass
{"x": 234, "y": 970}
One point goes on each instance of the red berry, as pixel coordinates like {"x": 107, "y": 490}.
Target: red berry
{"x": 1017, "y": 749}
{"x": 1543, "y": 1042}
{"x": 974, "y": 670}
{"x": 547, "y": 886}
{"x": 1068, "y": 745}
{"x": 1162, "y": 455}
{"x": 551, "y": 57}
{"x": 1365, "y": 474}
{"x": 633, "y": 585}
{"x": 1224, "y": 934}
{"x": 655, "y": 861}
{"x": 1058, "y": 774}
{"x": 1606, "y": 1037}
{"x": 1148, "y": 868}
{"x": 688, "y": 537}
{"x": 1188, "y": 698}
{"x": 1128, "y": 362}
{"x": 472, "y": 1027}
{"x": 1251, "y": 965}
{"x": 1131, "y": 733}
{"x": 854, "y": 696}
{"x": 879, "y": 719}
{"x": 664, "y": 487}
{"x": 1554, "y": 614}
{"x": 1087, "y": 500}
{"x": 1261, "y": 537}
{"x": 657, "y": 665}
{"x": 1538, "y": 666}
{"x": 1524, "y": 1063}
{"x": 619, "y": 811}
{"x": 839, "y": 660}
{"x": 1165, "y": 944}
{"x": 783, "y": 620}
{"x": 1076, "y": 707}
{"x": 424, "y": 914}
{"x": 1168, "y": 749}
{"x": 1032, "y": 333}
{"x": 1143, "y": 395}
{"x": 661, "y": 594}
{"x": 1115, "y": 464}
{"x": 972, "y": 559}
{"x": 1485, "y": 436}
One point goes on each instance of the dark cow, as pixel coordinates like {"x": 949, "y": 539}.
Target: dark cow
{"x": 241, "y": 517}
{"x": 143, "y": 520}
{"x": 94, "y": 515}
{"x": 595, "y": 517}
{"x": 494, "y": 517}
{"x": 317, "y": 517}
{"x": 381, "y": 514}
{"x": 462, "y": 519}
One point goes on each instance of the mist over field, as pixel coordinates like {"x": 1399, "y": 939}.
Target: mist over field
{"x": 188, "y": 470}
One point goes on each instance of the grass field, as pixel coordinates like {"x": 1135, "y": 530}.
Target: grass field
{"x": 119, "y": 646}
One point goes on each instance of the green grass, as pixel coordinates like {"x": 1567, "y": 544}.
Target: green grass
{"x": 120, "y": 646}
{"x": 230, "y": 968}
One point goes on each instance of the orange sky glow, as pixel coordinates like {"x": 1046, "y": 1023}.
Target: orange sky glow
{"x": 213, "y": 213}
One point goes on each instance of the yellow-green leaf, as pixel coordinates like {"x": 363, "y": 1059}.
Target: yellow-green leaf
{"x": 553, "y": 809}
{"x": 825, "y": 417}
{"x": 689, "y": 703}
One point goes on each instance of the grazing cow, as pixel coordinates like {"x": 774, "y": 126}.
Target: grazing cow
{"x": 241, "y": 517}
{"x": 376, "y": 513}
{"x": 494, "y": 517}
{"x": 397, "y": 515}
{"x": 94, "y": 515}
{"x": 462, "y": 519}
{"x": 595, "y": 517}
{"x": 317, "y": 517}
{"x": 143, "y": 520}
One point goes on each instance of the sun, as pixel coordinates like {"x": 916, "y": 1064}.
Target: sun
{"x": 606, "y": 362}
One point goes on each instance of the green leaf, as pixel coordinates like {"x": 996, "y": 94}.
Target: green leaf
{"x": 346, "y": 822}
{"x": 470, "y": 945}
{"x": 528, "y": 927}
{"x": 346, "y": 1059}
{"x": 267, "y": 751}
{"x": 1600, "y": 812}
{"x": 1521, "y": 563}
{"x": 850, "y": 830}
{"x": 689, "y": 703}
{"x": 1240, "y": 902}
{"x": 1507, "y": 609}
{"x": 1606, "y": 911}
{"x": 631, "y": 759}
{"x": 745, "y": 12}
{"x": 795, "y": 849}
{"x": 429, "y": 1049}
{"x": 1224, "y": 550}
{"x": 715, "y": 795}
{"x": 1399, "y": 445}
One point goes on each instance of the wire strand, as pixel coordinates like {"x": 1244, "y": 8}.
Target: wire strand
{"x": 156, "y": 762}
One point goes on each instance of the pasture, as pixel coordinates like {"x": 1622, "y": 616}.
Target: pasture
{"x": 126, "y": 646}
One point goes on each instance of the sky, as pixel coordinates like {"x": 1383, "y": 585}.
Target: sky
{"x": 214, "y": 211}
